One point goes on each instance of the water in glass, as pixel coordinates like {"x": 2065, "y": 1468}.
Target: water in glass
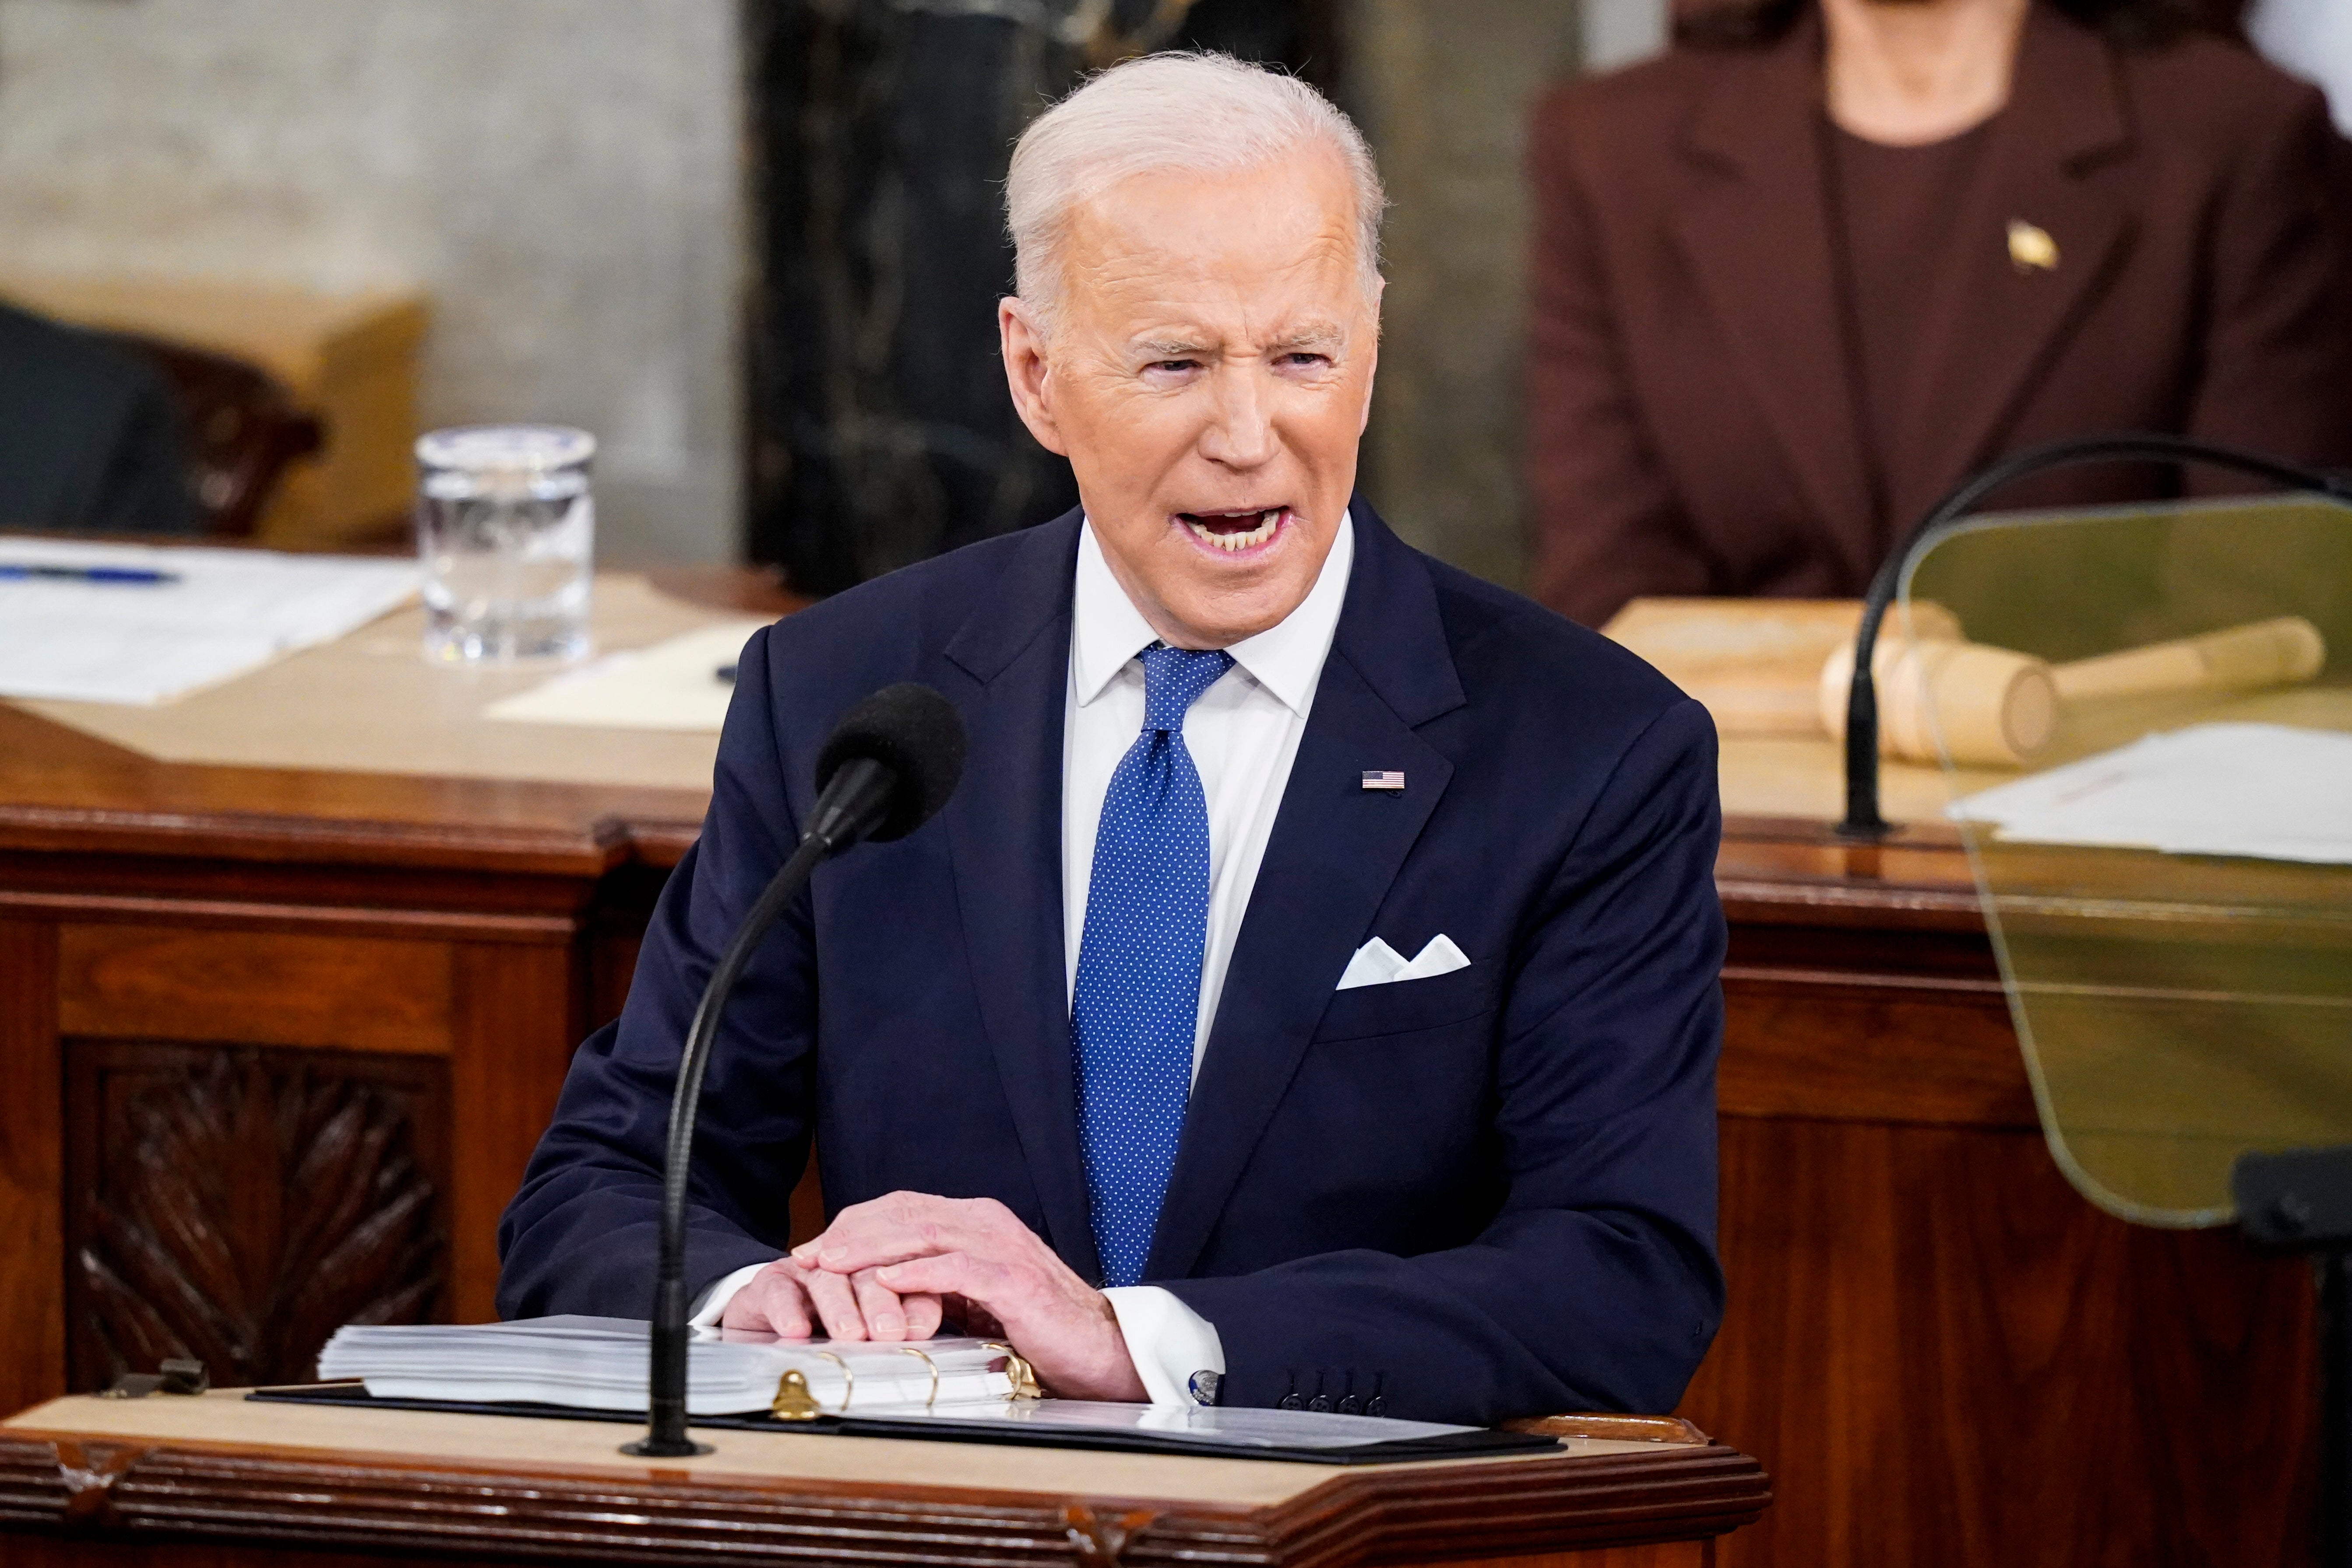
{"x": 506, "y": 531}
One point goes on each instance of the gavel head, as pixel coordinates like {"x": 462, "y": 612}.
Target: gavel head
{"x": 1992, "y": 707}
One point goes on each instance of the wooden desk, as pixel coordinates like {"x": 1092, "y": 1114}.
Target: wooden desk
{"x": 1943, "y": 1354}
{"x": 157, "y": 1483}
{"x": 278, "y": 1040}
{"x": 228, "y": 989}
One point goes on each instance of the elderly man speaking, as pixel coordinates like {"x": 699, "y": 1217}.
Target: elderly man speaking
{"x": 1309, "y": 998}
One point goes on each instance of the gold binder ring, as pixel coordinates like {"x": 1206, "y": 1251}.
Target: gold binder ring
{"x": 848, "y": 1380}
{"x": 933, "y": 1397}
{"x": 1017, "y": 1368}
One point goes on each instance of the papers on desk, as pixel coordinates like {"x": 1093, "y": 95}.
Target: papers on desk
{"x": 672, "y": 686}
{"x": 2263, "y": 790}
{"x": 599, "y": 1363}
{"x": 229, "y": 611}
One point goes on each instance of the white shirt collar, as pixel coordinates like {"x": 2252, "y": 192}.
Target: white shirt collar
{"x": 1286, "y": 658}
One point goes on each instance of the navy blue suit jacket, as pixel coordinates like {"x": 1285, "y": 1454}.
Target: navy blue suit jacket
{"x": 1484, "y": 1194}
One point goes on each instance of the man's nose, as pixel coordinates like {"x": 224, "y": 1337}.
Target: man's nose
{"x": 1240, "y": 434}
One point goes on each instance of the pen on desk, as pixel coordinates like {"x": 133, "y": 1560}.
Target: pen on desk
{"x": 13, "y": 572}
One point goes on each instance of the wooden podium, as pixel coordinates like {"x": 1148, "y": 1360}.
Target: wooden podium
{"x": 1941, "y": 1353}
{"x": 167, "y": 1481}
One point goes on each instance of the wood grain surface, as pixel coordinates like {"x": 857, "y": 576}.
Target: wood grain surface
{"x": 240, "y": 1204}
{"x": 32, "y": 1169}
{"x": 492, "y": 1486}
{"x": 1942, "y": 1353}
{"x": 271, "y": 988}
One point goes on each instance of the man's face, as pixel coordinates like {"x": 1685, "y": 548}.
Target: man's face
{"x": 1209, "y": 376}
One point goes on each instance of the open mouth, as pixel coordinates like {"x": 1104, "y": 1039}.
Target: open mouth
{"x": 1235, "y": 531}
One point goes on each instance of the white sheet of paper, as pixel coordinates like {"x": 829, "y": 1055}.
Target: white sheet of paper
{"x": 670, "y": 685}
{"x": 2267, "y": 791}
{"x": 231, "y": 611}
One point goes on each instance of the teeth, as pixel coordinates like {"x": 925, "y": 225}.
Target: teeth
{"x": 1266, "y": 523}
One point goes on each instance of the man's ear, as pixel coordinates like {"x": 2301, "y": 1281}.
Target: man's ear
{"x": 1027, "y": 373}
{"x": 1373, "y": 372}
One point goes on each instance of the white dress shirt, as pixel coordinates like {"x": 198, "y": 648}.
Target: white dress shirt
{"x": 1243, "y": 734}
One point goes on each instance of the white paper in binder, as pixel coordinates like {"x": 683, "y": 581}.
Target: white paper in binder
{"x": 600, "y": 1364}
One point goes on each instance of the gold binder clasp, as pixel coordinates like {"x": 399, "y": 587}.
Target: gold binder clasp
{"x": 793, "y": 1402}
{"x": 796, "y": 1401}
{"x": 1022, "y": 1375}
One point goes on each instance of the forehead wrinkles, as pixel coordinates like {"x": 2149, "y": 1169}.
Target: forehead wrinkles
{"x": 1138, "y": 294}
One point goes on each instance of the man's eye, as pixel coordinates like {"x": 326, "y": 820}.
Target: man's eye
{"x": 1309, "y": 360}
{"x": 1173, "y": 365}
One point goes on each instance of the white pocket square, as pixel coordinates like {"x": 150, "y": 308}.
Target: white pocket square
{"x": 1377, "y": 963}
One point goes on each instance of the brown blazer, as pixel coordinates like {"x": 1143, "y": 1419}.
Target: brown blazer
{"x": 1692, "y": 426}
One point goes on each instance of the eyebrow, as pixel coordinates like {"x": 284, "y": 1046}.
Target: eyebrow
{"x": 1315, "y": 335}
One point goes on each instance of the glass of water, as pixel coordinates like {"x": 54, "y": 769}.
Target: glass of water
{"x": 506, "y": 531}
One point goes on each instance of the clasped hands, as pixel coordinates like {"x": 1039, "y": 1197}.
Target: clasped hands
{"x": 897, "y": 1267}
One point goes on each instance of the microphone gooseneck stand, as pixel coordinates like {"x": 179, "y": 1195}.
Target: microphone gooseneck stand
{"x": 887, "y": 769}
{"x": 1862, "y": 820}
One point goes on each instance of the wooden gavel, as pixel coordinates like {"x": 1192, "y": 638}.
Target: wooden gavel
{"x": 1998, "y": 708}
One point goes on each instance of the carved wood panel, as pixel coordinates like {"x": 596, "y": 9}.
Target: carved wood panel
{"x": 241, "y": 1203}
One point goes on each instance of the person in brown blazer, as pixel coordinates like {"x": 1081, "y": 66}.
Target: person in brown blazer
{"x": 1798, "y": 278}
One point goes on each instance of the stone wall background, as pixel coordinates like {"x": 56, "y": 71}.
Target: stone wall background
{"x": 1444, "y": 92}
{"x": 562, "y": 177}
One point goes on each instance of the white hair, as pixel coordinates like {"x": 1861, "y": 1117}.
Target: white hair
{"x": 1199, "y": 113}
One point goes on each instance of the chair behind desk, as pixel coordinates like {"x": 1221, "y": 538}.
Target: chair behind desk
{"x": 242, "y": 430}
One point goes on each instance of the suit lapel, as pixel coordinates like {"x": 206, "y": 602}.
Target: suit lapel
{"x": 1004, "y": 833}
{"x": 2056, "y": 161}
{"x": 1335, "y": 848}
{"x": 1756, "y": 236}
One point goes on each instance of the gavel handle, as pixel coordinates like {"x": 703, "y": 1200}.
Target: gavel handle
{"x": 2260, "y": 653}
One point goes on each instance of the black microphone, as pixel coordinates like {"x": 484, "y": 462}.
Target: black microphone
{"x": 887, "y": 768}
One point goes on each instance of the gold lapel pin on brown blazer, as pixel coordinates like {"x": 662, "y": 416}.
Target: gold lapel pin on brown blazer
{"x": 2155, "y": 254}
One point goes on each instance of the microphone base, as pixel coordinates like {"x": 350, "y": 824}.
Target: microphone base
{"x": 665, "y": 1449}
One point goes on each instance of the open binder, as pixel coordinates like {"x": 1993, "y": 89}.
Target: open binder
{"x": 953, "y": 1390}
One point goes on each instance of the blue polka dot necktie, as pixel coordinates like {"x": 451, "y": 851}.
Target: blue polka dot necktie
{"x": 1139, "y": 986}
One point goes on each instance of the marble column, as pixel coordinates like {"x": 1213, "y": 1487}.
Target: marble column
{"x": 879, "y": 429}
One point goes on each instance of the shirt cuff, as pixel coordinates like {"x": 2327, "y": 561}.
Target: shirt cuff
{"x": 1176, "y": 1351}
{"x": 713, "y": 1305}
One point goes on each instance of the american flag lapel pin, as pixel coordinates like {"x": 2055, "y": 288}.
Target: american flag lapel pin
{"x": 1376, "y": 778}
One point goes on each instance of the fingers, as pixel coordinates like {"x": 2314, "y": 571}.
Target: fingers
{"x": 772, "y": 1302}
{"x": 910, "y": 1225}
{"x": 884, "y": 1318}
{"x": 887, "y": 1230}
{"x": 957, "y": 1273}
{"x": 924, "y": 1315}
{"x": 796, "y": 1301}
{"x": 835, "y": 1301}
{"x": 1068, "y": 1331}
